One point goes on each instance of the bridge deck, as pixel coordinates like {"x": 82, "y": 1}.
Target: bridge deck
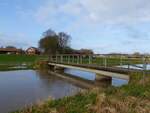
{"x": 109, "y": 72}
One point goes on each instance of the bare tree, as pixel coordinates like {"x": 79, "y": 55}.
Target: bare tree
{"x": 49, "y": 32}
{"x": 53, "y": 43}
{"x": 64, "y": 41}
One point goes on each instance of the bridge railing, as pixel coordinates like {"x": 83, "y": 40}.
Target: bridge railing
{"x": 105, "y": 61}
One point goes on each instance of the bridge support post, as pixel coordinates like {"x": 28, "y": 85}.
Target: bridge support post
{"x": 90, "y": 59}
{"x": 128, "y": 66}
{"x": 73, "y": 59}
{"x": 68, "y": 59}
{"x": 81, "y": 59}
{"x": 144, "y": 64}
{"x": 78, "y": 59}
{"x": 61, "y": 57}
{"x": 99, "y": 77}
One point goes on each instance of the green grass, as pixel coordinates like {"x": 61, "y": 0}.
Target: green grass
{"x": 139, "y": 86}
{"x": 4, "y": 59}
{"x": 74, "y": 104}
{"x": 7, "y": 61}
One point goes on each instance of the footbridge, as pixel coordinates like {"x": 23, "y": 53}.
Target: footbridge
{"x": 104, "y": 67}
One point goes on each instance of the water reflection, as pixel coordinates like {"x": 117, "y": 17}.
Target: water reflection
{"x": 91, "y": 76}
{"x": 20, "y": 88}
{"x": 119, "y": 82}
{"x": 82, "y": 74}
{"x": 137, "y": 66}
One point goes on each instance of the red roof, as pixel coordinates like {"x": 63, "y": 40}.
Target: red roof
{"x": 9, "y": 50}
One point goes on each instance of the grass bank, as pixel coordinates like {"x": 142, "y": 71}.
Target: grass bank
{"x": 131, "y": 98}
{"x": 9, "y": 62}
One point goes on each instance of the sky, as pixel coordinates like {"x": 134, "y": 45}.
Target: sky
{"x": 105, "y": 26}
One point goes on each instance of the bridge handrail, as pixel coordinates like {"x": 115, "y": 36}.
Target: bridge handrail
{"x": 101, "y": 59}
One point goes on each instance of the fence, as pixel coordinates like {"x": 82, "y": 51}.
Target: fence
{"x": 105, "y": 61}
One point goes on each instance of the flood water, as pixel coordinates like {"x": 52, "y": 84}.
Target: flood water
{"x": 139, "y": 66}
{"x": 25, "y": 87}
{"x": 20, "y": 88}
{"x": 91, "y": 76}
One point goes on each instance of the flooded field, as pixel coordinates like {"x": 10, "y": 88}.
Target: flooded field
{"x": 25, "y": 87}
{"x": 21, "y": 88}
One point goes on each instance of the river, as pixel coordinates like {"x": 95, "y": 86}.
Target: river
{"x": 24, "y": 87}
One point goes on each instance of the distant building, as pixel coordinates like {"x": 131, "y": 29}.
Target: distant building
{"x": 33, "y": 51}
{"x": 10, "y": 51}
{"x": 84, "y": 52}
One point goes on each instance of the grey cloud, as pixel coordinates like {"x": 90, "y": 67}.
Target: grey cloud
{"x": 136, "y": 33}
{"x": 104, "y": 11}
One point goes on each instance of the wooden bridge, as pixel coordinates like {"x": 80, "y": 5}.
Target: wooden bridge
{"x": 107, "y": 67}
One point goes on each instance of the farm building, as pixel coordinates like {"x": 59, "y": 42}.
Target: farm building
{"x": 84, "y": 52}
{"x": 10, "y": 51}
{"x": 33, "y": 51}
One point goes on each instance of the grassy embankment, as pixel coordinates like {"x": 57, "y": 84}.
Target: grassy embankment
{"x": 131, "y": 98}
{"x": 8, "y": 61}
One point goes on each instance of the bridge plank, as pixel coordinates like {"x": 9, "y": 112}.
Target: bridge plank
{"x": 102, "y": 72}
